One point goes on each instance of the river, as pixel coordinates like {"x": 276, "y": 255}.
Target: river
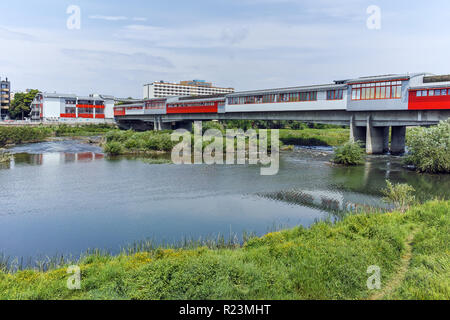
{"x": 64, "y": 197}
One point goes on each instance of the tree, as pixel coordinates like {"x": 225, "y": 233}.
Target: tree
{"x": 20, "y": 106}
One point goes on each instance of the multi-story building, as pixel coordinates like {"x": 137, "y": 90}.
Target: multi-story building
{"x": 161, "y": 89}
{"x": 70, "y": 107}
{"x": 5, "y": 97}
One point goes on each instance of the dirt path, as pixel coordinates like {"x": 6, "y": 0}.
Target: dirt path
{"x": 397, "y": 279}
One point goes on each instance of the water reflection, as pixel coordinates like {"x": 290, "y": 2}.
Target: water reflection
{"x": 53, "y": 158}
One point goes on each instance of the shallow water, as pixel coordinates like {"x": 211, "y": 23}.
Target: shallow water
{"x": 64, "y": 197}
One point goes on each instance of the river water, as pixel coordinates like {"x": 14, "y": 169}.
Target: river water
{"x": 64, "y": 197}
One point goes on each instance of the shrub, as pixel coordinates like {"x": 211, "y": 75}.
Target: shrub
{"x": 400, "y": 195}
{"x": 429, "y": 148}
{"x": 113, "y": 148}
{"x": 349, "y": 154}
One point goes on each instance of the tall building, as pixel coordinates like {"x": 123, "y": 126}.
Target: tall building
{"x": 70, "y": 107}
{"x": 5, "y": 97}
{"x": 161, "y": 89}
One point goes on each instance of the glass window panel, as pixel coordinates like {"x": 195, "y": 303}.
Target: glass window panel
{"x": 354, "y": 94}
{"x": 437, "y": 92}
{"x": 418, "y": 93}
{"x": 358, "y": 94}
{"x": 444, "y": 92}
{"x": 388, "y": 92}
{"x": 383, "y": 93}
{"x": 372, "y": 93}
{"x": 378, "y": 93}
{"x": 399, "y": 92}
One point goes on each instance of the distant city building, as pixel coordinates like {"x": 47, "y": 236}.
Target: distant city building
{"x": 70, "y": 107}
{"x": 161, "y": 89}
{"x": 5, "y": 97}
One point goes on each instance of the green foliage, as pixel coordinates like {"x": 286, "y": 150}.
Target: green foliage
{"x": 24, "y": 134}
{"x": 21, "y": 104}
{"x": 429, "y": 148}
{"x": 400, "y": 195}
{"x": 314, "y": 137}
{"x": 212, "y": 125}
{"x": 140, "y": 142}
{"x": 326, "y": 261}
{"x": 81, "y": 130}
{"x": 350, "y": 154}
{"x": 113, "y": 148}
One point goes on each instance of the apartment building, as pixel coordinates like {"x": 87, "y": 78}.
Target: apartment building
{"x": 161, "y": 89}
{"x": 70, "y": 107}
{"x": 5, "y": 97}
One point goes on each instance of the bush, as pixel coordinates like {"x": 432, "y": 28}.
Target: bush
{"x": 429, "y": 148}
{"x": 113, "y": 148}
{"x": 350, "y": 154}
{"x": 400, "y": 195}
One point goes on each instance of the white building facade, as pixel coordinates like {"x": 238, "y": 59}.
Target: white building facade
{"x": 161, "y": 89}
{"x": 72, "y": 108}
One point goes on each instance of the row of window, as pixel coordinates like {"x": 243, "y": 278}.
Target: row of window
{"x": 271, "y": 98}
{"x": 335, "y": 94}
{"x": 192, "y": 104}
{"x": 377, "y": 90}
{"x": 155, "y": 105}
{"x": 433, "y": 92}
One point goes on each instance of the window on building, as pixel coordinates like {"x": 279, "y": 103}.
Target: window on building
{"x": 377, "y": 90}
{"x": 336, "y": 94}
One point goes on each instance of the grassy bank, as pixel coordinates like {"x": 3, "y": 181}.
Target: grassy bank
{"x": 326, "y": 261}
{"x": 315, "y": 137}
{"x": 130, "y": 142}
{"x": 27, "y": 134}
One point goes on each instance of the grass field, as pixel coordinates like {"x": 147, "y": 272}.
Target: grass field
{"x": 326, "y": 261}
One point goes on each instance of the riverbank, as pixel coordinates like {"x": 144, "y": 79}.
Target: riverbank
{"x": 10, "y": 136}
{"x": 326, "y": 261}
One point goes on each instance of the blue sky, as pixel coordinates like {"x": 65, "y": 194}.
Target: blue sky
{"x": 246, "y": 44}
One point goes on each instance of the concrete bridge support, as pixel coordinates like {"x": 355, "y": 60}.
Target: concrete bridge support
{"x": 188, "y": 125}
{"x": 398, "y": 138}
{"x": 357, "y": 133}
{"x": 377, "y": 138}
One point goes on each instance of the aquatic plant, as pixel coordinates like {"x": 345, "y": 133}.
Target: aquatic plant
{"x": 400, "y": 195}
{"x": 350, "y": 154}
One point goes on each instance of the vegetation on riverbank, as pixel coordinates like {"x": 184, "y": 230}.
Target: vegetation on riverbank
{"x": 349, "y": 154}
{"x": 315, "y": 137}
{"x": 131, "y": 142}
{"x": 11, "y": 135}
{"x": 326, "y": 261}
{"x": 429, "y": 148}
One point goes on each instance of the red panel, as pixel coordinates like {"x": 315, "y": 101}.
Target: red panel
{"x": 428, "y": 102}
{"x": 68, "y": 115}
{"x": 193, "y": 109}
{"x": 119, "y": 112}
{"x": 99, "y": 116}
{"x": 85, "y": 115}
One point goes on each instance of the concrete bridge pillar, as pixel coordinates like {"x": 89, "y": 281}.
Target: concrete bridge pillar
{"x": 377, "y": 138}
{"x": 357, "y": 133}
{"x": 155, "y": 124}
{"x": 398, "y": 140}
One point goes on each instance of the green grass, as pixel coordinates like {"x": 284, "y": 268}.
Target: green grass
{"x": 314, "y": 137}
{"x": 326, "y": 261}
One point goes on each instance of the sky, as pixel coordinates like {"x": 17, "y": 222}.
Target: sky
{"x": 246, "y": 44}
